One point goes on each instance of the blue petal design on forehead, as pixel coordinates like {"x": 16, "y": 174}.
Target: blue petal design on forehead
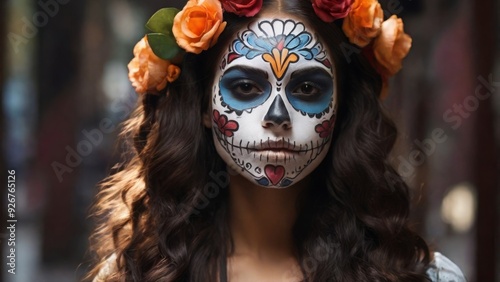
{"x": 253, "y": 53}
{"x": 261, "y": 43}
{"x": 281, "y": 43}
{"x": 307, "y": 54}
{"x": 299, "y": 41}
{"x": 316, "y": 49}
{"x": 250, "y": 45}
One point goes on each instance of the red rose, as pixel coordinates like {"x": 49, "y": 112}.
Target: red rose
{"x": 330, "y": 10}
{"x": 247, "y": 8}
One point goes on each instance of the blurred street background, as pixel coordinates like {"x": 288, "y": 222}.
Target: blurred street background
{"x": 64, "y": 92}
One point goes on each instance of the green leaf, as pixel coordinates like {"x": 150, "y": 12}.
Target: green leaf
{"x": 164, "y": 46}
{"x": 162, "y": 21}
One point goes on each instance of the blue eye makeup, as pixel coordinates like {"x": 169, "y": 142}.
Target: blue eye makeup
{"x": 310, "y": 90}
{"x": 244, "y": 88}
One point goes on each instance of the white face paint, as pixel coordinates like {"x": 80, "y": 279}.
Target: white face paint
{"x": 273, "y": 103}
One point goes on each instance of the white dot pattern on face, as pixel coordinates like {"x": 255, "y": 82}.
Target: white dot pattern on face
{"x": 255, "y": 114}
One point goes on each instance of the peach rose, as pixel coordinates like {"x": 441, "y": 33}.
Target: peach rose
{"x": 198, "y": 25}
{"x": 147, "y": 72}
{"x": 363, "y": 22}
{"x": 391, "y": 46}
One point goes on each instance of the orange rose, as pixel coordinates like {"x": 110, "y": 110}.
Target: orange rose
{"x": 391, "y": 46}
{"x": 198, "y": 25}
{"x": 147, "y": 72}
{"x": 363, "y": 22}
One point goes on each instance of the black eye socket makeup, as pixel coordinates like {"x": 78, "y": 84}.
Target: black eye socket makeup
{"x": 307, "y": 90}
{"x": 244, "y": 87}
{"x": 310, "y": 89}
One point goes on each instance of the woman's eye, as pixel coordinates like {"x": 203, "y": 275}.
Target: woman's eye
{"x": 246, "y": 88}
{"x": 306, "y": 90}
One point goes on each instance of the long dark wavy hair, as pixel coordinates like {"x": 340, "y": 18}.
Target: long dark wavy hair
{"x": 353, "y": 223}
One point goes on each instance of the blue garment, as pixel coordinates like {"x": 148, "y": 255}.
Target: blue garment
{"x": 441, "y": 269}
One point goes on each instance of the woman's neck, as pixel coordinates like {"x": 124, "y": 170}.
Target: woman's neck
{"x": 261, "y": 219}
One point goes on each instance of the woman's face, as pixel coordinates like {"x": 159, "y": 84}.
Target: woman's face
{"x": 273, "y": 103}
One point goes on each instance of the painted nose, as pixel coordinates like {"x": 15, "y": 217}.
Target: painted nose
{"x": 277, "y": 116}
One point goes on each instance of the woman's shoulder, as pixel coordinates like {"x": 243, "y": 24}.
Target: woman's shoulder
{"x": 442, "y": 269}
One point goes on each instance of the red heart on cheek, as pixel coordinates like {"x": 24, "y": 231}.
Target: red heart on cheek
{"x": 274, "y": 173}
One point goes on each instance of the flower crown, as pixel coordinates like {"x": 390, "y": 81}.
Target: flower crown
{"x": 198, "y": 25}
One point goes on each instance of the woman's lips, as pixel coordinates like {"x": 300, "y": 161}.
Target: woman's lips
{"x": 275, "y": 154}
{"x": 275, "y": 151}
{"x": 275, "y": 146}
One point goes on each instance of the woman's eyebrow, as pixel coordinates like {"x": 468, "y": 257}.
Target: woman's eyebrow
{"x": 310, "y": 71}
{"x": 249, "y": 71}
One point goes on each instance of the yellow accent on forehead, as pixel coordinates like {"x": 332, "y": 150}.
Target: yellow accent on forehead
{"x": 279, "y": 60}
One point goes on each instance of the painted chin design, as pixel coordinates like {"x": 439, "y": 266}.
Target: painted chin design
{"x": 275, "y": 162}
{"x": 271, "y": 163}
{"x": 273, "y": 103}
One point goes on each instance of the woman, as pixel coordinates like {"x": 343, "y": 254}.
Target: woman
{"x": 260, "y": 153}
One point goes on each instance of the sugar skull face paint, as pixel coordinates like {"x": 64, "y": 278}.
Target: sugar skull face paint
{"x": 273, "y": 103}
